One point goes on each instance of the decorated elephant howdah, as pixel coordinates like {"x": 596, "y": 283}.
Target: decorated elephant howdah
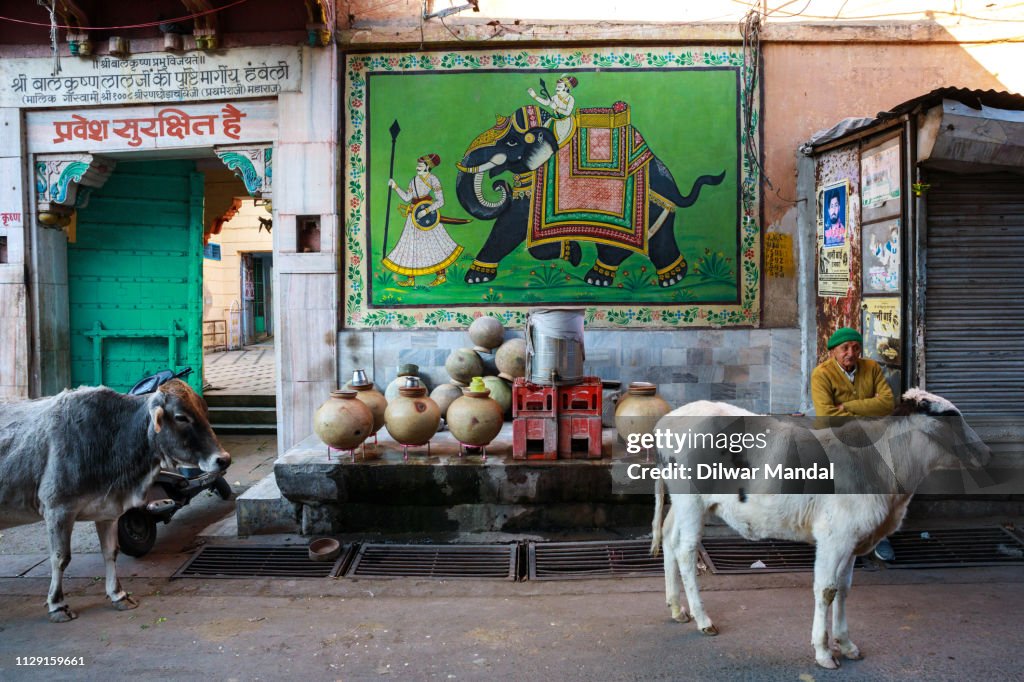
{"x": 602, "y": 185}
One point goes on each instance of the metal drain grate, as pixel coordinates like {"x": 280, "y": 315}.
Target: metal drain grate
{"x": 568, "y": 560}
{"x": 260, "y": 561}
{"x": 735, "y": 555}
{"x": 955, "y": 548}
{"x": 435, "y": 561}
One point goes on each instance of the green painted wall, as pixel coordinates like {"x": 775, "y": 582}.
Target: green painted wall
{"x": 136, "y": 270}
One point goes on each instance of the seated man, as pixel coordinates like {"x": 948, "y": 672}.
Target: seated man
{"x": 847, "y": 385}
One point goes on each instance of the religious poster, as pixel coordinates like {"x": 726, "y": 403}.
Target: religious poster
{"x": 491, "y": 182}
{"x": 880, "y": 174}
{"x": 881, "y": 323}
{"x": 835, "y": 215}
{"x": 881, "y": 257}
{"x": 833, "y": 245}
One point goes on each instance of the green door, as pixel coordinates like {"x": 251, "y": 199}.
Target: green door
{"x": 259, "y": 304}
{"x": 135, "y": 276}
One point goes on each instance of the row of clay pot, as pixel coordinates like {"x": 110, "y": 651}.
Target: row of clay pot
{"x": 351, "y": 416}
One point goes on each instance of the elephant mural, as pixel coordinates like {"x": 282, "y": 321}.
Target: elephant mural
{"x": 603, "y": 185}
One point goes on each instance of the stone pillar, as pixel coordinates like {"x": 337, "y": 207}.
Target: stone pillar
{"x": 14, "y": 320}
{"x": 306, "y": 283}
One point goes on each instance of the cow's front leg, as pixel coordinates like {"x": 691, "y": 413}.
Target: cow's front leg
{"x": 59, "y": 524}
{"x": 840, "y": 629}
{"x": 107, "y": 531}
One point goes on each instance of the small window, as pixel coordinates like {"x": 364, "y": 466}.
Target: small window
{"x": 307, "y": 234}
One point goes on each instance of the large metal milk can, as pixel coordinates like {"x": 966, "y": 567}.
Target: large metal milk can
{"x": 554, "y": 346}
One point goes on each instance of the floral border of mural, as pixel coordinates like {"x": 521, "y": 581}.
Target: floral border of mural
{"x": 355, "y": 266}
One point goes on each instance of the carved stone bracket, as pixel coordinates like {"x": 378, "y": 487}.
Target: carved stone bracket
{"x": 318, "y": 25}
{"x": 252, "y": 165}
{"x": 64, "y": 183}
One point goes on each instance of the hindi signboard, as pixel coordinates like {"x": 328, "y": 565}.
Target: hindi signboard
{"x": 151, "y": 127}
{"x": 150, "y": 77}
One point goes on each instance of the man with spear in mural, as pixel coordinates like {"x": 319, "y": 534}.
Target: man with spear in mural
{"x": 424, "y": 246}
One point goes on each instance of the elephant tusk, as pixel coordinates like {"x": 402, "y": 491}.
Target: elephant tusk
{"x": 473, "y": 170}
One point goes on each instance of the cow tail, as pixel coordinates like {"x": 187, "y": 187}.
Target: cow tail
{"x": 659, "y": 506}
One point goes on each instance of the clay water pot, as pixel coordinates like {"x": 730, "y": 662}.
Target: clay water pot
{"x": 343, "y": 422}
{"x": 501, "y": 392}
{"x": 639, "y": 410}
{"x": 464, "y": 364}
{"x": 510, "y": 359}
{"x": 407, "y": 370}
{"x": 475, "y": 418}
{"x": 367, "y": 393}
{"x": 412, "y": 418}
{"x": 487, "y": 333}
{"x": 444, "y": 395}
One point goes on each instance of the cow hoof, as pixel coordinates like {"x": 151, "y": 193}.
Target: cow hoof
{"x": 710, "y": 630}
{"x": 62, "y": 614}
{"x": 681, "y": 616}
{"x": 851, "y": 653}
{"x": 828, "y": 662}
{"x": 125, "y": 604}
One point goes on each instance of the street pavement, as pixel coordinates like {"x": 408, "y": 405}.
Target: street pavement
{"x": 911, "y": 624}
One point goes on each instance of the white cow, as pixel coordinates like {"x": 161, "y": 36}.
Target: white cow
{"x": 842, "y": 526}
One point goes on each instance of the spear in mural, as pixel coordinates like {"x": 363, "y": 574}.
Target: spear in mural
{"x": 394, "y": 129}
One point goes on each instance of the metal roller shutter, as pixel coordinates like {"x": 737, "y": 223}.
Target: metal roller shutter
{"x": 974, "y": 297}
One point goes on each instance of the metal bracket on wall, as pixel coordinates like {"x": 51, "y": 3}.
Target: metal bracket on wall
{"x": 253, "y": 165}
{"x": 64, "y": 183}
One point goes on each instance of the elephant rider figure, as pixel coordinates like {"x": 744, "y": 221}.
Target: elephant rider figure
{"x": 561, "y": 105}
{"x": 424, "y": 246}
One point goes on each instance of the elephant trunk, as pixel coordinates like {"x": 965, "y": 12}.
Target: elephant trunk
{"x": 469, "y": 189}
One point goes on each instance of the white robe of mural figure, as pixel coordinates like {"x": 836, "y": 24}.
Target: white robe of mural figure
{"x": 561, "y": 104}
{"x": 424, "y": 246}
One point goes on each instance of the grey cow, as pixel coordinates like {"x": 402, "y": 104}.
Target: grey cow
{"x": 89, "y": 455}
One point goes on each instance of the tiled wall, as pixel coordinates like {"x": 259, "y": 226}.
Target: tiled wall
{"x": 757, "y": 369}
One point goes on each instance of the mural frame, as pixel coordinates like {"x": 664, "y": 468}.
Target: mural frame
{"x": 358, "y": 312}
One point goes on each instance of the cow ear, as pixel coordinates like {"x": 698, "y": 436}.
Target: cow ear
{"x": 158, "y": 414}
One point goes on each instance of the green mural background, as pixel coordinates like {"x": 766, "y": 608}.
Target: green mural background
{"x": 687, "y": 105}
{"x": 689, "y": 119}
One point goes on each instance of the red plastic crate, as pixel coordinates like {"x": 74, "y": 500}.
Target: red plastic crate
{"x": 534, "y": 438}
{"x": 583, "y": 398}
{"x": 579, "y": 436}
{"x": 534, "y": 400}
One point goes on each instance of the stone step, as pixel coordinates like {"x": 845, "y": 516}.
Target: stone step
{"x": 216, "y": 399}
{"x": 243, "y": 415}
{"x": 263, "y": 509}
{"x": 244, "y": 429}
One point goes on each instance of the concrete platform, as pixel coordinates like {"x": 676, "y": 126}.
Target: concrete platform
{"x": 388, "y": 491}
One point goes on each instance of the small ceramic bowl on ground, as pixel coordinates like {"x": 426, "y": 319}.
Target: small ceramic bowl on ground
{"x": 324, "y": 549}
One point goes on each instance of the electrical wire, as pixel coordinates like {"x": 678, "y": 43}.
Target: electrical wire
{"x": 118, "y": 28}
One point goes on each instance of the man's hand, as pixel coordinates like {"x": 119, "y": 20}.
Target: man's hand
{"x": 392, "y": 184}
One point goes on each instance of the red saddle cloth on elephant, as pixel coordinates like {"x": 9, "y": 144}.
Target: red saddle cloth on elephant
{"x": 595, "y": 188}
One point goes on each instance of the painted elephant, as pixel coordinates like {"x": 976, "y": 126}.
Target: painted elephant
{"x": 603, "y": 185}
